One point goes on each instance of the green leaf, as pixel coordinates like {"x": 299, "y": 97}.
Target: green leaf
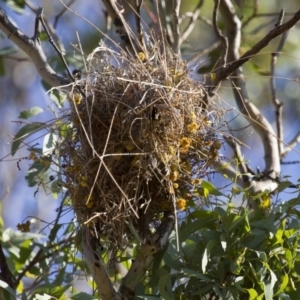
{"x": 26, "y": 114}
{"x": 283, "y": 185}
{"x": 200, "y": 214}
{"x": 192, "y": 273}
{"x": 284, "y": 282}
{"x": 223, "y": 241}
{"x": 252, "y": 294}
{"x": 12, "y": 236}
{"x": 56, "y": 188}
{"x": 23, "y": 133}
{"x": 261, "y": 255}
{"x": 16, "y": 5}
{"x": 221, "y": 211}
{"x": 206, "y": 254}
{"x": 164, "y": 284}
{"x": 145, "y": 297}
{"x": 212, "y": 190}
{"x": 36, "y": 173}
{"x": 192, "y": 227}
{"x": 265, "y": 224}
{"x": 49, "y": 143}
{"x": 65, "y": 129}
{"x": 53, "y": 290}
{"x": 43, "y": 36}
{"x": 57, "y": 98}
{"x": 83, "y": 296}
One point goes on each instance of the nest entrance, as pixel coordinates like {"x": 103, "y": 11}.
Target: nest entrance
{"x": 140, "y": 138}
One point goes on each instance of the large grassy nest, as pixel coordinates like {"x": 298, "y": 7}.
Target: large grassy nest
{"x": 142, "y": 138}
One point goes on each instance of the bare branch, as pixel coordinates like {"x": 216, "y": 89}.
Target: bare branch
{"x": 138, "y": 6}
{"x": 293, "y": 143}
{"x": 219, "y": 34}
{"x": 50, "y": 26}
{"x": 33, "y": 48}
{"x": 39, "y": 18}
{"x": 57, "y": 17}
{"x": 176, "y": 29}
{"x": 223, "y": 73}
{"x": 254, "y": 14}
{"x": 253, "y": 114}
{"x": 97, "y": 267}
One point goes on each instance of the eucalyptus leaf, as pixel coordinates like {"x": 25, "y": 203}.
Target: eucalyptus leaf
{"x": 24, "y": 133}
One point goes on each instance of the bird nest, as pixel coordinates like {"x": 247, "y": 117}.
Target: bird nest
{"x": 142, "y": 136}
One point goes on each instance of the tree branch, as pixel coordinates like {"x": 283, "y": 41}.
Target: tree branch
{"x": 223, "y": 73}
{"x": 176, "y": 29}
{"x": 277, "y": 104}
{"x": 250, "y": 111}
{"x": 97, "y": 267}
{"x": 223, "y": 39}
{"x": 33, "y": 48}
{"x": 145, "y": 257}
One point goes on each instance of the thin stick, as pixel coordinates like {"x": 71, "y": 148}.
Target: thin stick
{"x": 293, "y": 143}
{"x": 51, "y": 41}
{"x": 223, "y": 73}
{"x": 138, "y": 6}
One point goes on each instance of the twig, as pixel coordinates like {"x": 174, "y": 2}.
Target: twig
{"x": 138, "y": 6}
{"x": 176, "y": 29}
{"x": 52, "y": 236}
{"x": 33, "y": 48}
{"x": 293, "y": 143}
{"x": 239, "y": 157}
{"x": 223, "y": 73}
{"x": 253, "y": 114}
{"x": 221, "y": 37}
{"x": 57, "y": 17}
{"x": 40, "y": 18}
{"x": 254, "y": 14}
{"x": 277, "y": 104}
{"x": 39, "y": 257}
{"x": 290, "y": 162}
{"x": 192, "y": 22}
{"x": 50, "y": 27}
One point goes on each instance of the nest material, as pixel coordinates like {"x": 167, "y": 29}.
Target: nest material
{"x": 141, "y": 137}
